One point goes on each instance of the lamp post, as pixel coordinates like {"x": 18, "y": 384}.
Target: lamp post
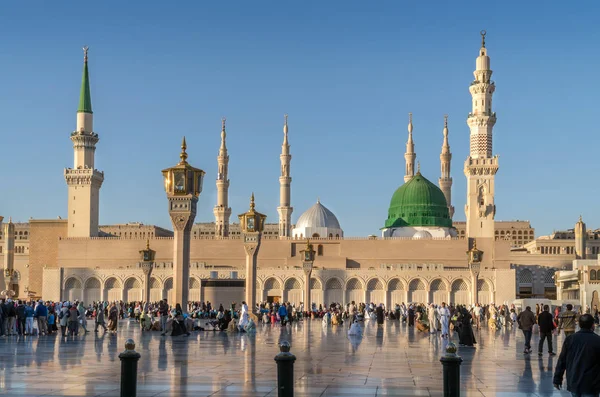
{"x": 252, "y": 224}
{"x": 147, "y": 264}
{"x": 9, "y": 258}
{"x": 474, "y": 256}
{"x": 183, "y": 184}
{"x": 308, "y": 258}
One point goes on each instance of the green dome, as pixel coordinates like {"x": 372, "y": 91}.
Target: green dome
{"x": 418, "y": 203}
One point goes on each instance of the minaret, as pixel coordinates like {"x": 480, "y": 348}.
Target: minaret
{"x": 580, "y": 239}
{"x": 285, "y": 182}
{"x": 222, "y": 210}
{"x": 445, "y": 180}
{"x": 410, "y": 154}
{"x": 83, "y": 180}
{"x": 481, "y": 166}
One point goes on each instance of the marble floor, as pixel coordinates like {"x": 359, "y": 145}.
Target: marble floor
{"x": 393, "y": 360}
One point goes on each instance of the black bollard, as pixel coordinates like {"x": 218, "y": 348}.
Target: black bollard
{"x": 129, "y": 359}
{"x": 451, "y": 368}
{"x": 285, "y": 370}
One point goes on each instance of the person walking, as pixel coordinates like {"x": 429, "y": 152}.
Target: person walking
{"x": 580, "y": 358}
{"x": 526, "y": 319}
{"x": 567, "y": 321}
{"x": 100, "y": 320}
{"x": 41, "y": 313}
{"x": 163, "y": 310}
{"x": 546, "y": 323}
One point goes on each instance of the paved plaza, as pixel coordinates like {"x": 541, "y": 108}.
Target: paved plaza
{"x": 394, "y": 361}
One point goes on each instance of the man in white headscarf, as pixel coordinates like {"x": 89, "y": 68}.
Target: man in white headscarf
{"x": 433, "y": 319}
{"x": 444, "y": 314}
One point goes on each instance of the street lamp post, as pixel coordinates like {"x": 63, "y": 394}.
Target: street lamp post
{"x": 252, "y": 224}
{"x": 474, "y": 256}
{"x": 183, "y": 184}
{"x": 308, "y": 258}
{"x": 147, "y": 264}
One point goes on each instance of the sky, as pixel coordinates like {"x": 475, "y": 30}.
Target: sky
{"x": 347, "y": 73}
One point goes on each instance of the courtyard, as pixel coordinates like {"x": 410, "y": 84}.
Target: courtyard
{"x": 394, "y": 360}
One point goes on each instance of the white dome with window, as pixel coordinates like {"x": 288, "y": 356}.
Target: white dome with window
{"x": 317, "y": 221}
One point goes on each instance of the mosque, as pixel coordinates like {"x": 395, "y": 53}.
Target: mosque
{"x": 421, "y": 255}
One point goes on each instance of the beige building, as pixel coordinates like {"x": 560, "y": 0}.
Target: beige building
{"x": 420, "y": 257}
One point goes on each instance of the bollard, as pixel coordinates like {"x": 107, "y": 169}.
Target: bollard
{"x": 129, "y": 359}
{"x": 285, "y": 370}
{"x": 451, "y": 368}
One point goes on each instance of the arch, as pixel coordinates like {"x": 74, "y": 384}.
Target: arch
{"x": 525, "y": 276}
{"x": 73, "y": 290}
{"x": 354, "y": 284}
{"x": 132, "y": 292}
{"x": 293, "y": 291}
{"x": 92, "y": 291}
{"x": 397, "y": 291}
{"x": 92, "y": 282}
{"x": 194, "y": 288}
{"x": 549, "y": 276}
{"x": 113, "y": 290}
{"x": 292, "y": 283}
{"x": 416, "y": 291}
{"x": 272, "y": 283}
{"x": 155, "y": 289}
{"x": 168, "y": 291}
{"x": 333, "y": 291}
{"x": 316, "y": 235}
{"x": 484, "y": 292}
{"x": 438, "y": 292}
{"x": 315, "y": 283}
{"x": 593, "y": 275}
{"x": 459, "y": 294}
{"x": 375, "y": 291}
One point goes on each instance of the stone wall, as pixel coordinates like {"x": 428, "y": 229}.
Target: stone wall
{"x": 43, "y": 251}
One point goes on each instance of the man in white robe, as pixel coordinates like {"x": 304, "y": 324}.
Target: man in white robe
{"x": 355, "y": 329}
{"x": 433, "y": 319}
{"x": 243, "y": 316}
{"x": 444, "y": 314}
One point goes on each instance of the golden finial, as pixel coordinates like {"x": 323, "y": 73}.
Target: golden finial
{"x": 483, "y": 33}
{"x": 418, "y": 167}
{"x": 308, "y": 246}
{"x": 85, "y": 53}
{"x": 445, "y": 121}
{"x": 474, "y": 245}
{"x": 252, "y": 202}
{"x": 318, "y": 200}
{"x": 223, "y": 120}
{"x": 148, "y": 245}
{"x": 183, "y": 156}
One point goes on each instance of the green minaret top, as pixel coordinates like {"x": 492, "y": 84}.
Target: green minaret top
{"x": 85, "y": 98}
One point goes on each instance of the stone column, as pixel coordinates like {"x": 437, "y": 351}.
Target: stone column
{"x": 307, "y": 291}
{"x": 147, "y": 269}
{"x": 474, "y": 278}
{"x": 182, "y": 217}
{"x": 9, "y": 256}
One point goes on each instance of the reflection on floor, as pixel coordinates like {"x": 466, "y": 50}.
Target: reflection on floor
{"x": 393, "y": 360}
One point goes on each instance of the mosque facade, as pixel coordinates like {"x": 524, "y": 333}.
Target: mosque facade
{"x": 421, "y": 255}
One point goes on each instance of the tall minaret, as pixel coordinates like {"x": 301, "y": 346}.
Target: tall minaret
{"x": 580, "y": 239}
{"x": 481, "y": 166}
{"x": 410, "y": 154}
{"x": 445, "y": 180}
{"x": 83, "y": 180}
{"x": 222, "y": 211}
{"x": 285, "y": 182}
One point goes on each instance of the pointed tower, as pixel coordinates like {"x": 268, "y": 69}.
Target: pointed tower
{"x": 285, "y": 182}
{"x": 83, "y": 180}
{"x": 580, "y": 239}
{"x": 445, "y": 180}
{"x": 222, "y": 211}
{"x": 410, "y": 154}
{"x": 481, "y": 166}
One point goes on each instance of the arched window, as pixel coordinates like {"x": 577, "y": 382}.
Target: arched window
{"x": 316, "y": 235}
{"x": 593, "y": 275}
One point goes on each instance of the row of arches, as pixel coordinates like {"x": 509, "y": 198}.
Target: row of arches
{"x": 130, "y": 290}
{"x": 376, "y": 290}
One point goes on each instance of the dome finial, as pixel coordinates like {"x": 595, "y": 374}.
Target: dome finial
{"x": 418, "y": 167}
{"x": 183, "y": 155}
{"x": 318, "y": 200}
{"x": 483, "y": 33}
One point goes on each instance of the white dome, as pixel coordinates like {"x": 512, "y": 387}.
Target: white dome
{"x": 317, "y": 221}
{"x": 318, "y": 216}
{"x": 421, "y": 235}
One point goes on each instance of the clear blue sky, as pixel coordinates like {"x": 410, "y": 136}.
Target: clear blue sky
{"x": 346, "y": 72}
